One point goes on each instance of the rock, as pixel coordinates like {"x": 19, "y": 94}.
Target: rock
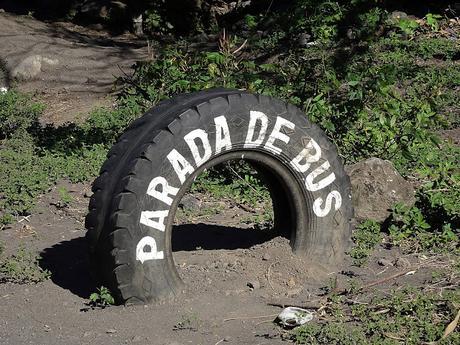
{"x": 136, "y": 339}
{"x": 291, "y": 282}
{"x": 397, "y": 15}
{"x": 266, "y": 257}
{"x": 351, "y": 34}
{"x": 227, "y": 338}
{"x": 93, "y": 9}
{"x": 402, "y": 263}
{"x": 303, "y": 39}
{"x": 254, "y": 284}
{"x": 376, "y": 187}
{"x": 111, "y": 331}
{"x": 293, "y": 292}
{"x": 2, "y": 10}
{"x": 31, "y": 66}
{"x": 189, "y": 202}
{"x": 137, "y": 25}
{"x": 384, "y": 262}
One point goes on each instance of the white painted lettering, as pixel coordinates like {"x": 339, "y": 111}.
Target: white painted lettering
{"x": 256, "y": 116}
{"x": 277, "y": 135}
{"x": 191, "y": 140}
{"x": 303, "y": 160}
{"x": 312, "y": 186}
{"x": 154, "y": 219}
{"x": 223, "y": 140}
{"x": 165, "y": 191}
{"x": 181, "y": 166}
{"x": 323, "y": 212}
{"x": 147, "y": 250}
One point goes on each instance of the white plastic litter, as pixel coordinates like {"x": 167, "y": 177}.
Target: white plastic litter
{"x": 293, "y": 316}
{"x": 3, "y": 89}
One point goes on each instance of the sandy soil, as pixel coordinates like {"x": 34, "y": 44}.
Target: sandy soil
{"x": 87, "y": 61}
{"x": 217, "y": 302}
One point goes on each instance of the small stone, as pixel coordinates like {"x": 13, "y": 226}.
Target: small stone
{"x": 293, "y": 292}
{"x": 266, "y": 257}
{"x": 189, "y": 202}
{"x": 2, "y": 10}
{"x": 136, "y": 339}
{"x": 303, "y": 40}
{"x": 254, "y": 284}
{"x": 291, "y": 282}
{"x": 86, "y": 334}
{"x": 111, "y": 331}
{"x": 402, "y": 263}
{"x": 227, "y": 338}
{"x": 398, "y": 15}
{"x": 31, "y": 66}
{"x": 384, "y": 262}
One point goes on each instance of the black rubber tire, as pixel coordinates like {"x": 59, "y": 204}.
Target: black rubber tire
{"x": 311, "y": 199}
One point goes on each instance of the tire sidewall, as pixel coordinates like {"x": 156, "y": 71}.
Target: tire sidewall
{"x": 325, "y": 237}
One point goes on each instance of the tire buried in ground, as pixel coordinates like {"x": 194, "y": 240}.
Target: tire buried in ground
{"x": 155, "y": 161}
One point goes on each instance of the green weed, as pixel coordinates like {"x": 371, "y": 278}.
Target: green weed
{"x": 65, "y": 197}
{"x": 407, "y": 316}
{"x": 17, "y": 113}
{"x": 365, "y": 237}
{"x": 34, "y": 157}
{"x": 102, "y": 298}
{"x": 22, "y": 268}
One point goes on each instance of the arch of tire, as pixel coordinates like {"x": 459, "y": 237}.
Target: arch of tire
{"x": 156, "y": 160}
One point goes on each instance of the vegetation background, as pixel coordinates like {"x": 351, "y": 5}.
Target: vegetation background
{"x": 382, "y": 78}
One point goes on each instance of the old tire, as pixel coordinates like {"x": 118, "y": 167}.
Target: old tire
{"x": 154, "y": 162}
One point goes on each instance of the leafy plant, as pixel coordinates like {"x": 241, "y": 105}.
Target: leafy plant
{"x": 65, "y": 197}
{"x": 407, "y": 315}
{"x": 366, "y": 236}
{"x": 432, "y": 21}
{"x": 409, "y": 226}
{"x": 22, "y": 268}
{"x": 407, "y": 25}
{"x": 102, "y": 298}
{"x": 17, "y": 113}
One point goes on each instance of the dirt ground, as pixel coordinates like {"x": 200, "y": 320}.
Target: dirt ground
{"x": 85, "y": 63}
{"x": 218, "y": 256}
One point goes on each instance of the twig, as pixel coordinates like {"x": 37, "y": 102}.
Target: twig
{"x": 261, "y": 322}
{"x": 240, "y": 48}
{"x": 25, "y": 218}
{"x": 250, "y": 317}
{"x": 437, "y": 190}
{"x": 306, "y": 305}
{"x": 268, "y": 8}
{"x": 242, "y": 179}
{"x": 268, "y": 275}
{"x": 245, "y": 208}
{"x": 383, "y": 280}
{"x": 391, "y": 336}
